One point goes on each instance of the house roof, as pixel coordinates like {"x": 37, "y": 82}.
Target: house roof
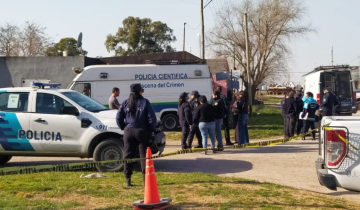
{"x": 217, "y": 65}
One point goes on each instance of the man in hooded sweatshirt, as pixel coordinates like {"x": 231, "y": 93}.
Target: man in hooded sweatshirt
{"x": 299, "y": 107}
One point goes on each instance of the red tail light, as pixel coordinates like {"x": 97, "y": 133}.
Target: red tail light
{"x": 336, "y": 149}
{"x": 318, "y": 98}
{"x": 354, "y": 98}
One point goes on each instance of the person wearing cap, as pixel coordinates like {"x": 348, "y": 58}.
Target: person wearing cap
{"x": 219, "y": 111}
{"x": 194, "y": 103}
{"x": 327, "y": 103}
{"x": 185, "y": 118}
{"x": 138, "y": 120}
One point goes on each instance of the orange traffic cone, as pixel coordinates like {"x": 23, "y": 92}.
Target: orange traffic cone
{"x": 152, "y": 199}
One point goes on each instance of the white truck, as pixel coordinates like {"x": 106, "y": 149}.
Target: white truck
{"x": 46, "y": 121}
{"x": 339, "y": 161}
{"x": 334, "y": 78}
{"x": 163, "y": 82}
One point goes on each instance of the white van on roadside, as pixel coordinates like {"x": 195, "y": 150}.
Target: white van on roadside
{"x": 335, "y": 78}
{"x": 163, "y": 82}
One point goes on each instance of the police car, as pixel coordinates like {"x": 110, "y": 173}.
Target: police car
{"x": 44, "y": 120}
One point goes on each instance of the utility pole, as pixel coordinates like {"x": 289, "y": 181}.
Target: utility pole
{"x": 332, "y": 56}
{"x": 248, "y": 61}
{"x": 184, "y": 43}
{"x": 202, "y": 30}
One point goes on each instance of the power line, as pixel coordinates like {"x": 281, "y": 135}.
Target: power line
{"x": 208, "y": 3}
{"x": 193, "y": 28}
{"x": 353, "y": 60}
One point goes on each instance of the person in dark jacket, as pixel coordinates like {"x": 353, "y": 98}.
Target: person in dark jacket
{"x": 185, "y": 118}
{"x": 337, "y": 104}
{"x": 219, "y": 112}
{"x": 205, "y": 119}
{"x": 308, "y": 114}
{"x": 327, "y": 103}
{"x": 299, "y": 107}
{"x": 235, "y": 112}
{"x": 225, "y": 122}
{"x": 282, "y": 112}
{"x": 241, "y": 130}
{"x": 138, "y": 120}
{"x": 289, "y": 109}
{"x": 194, "y": 103}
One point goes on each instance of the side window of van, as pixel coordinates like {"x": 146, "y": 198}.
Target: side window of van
{"x": 84, "y": 88}
{"x": 14, "y": 102}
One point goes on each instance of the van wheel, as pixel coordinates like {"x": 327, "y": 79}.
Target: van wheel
{"x": 4, "y": 159}
{"x": 170, "y": 122}
{"x": 109, "y": 149}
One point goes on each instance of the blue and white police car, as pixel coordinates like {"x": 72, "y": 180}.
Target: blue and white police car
{"x": 44, "y": 120}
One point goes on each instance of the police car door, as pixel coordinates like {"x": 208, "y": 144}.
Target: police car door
{"x": 54, "y": 131}
{"x": 14, "y": 118}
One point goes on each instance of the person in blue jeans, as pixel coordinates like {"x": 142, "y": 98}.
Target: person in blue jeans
{"x": 241, "y": 131}
{"x": 219, "y": 112}
{"x": 205, "y": 118}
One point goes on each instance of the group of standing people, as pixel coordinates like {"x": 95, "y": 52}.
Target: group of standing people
{"x": 299, "y": 111}
{"x": 205, "y": 118}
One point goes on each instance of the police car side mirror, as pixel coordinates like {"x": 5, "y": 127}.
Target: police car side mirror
{"x": 70, "y": 110}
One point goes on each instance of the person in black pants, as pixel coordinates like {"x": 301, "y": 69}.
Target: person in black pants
{"x": 289, "y": 109}
{"x": 337, "y": 104}
{"x": 283, "y": 112}
{"x": 310, "y": 108}
{"x": 194, "y": 103}
{"x": 299, "y": 107}
{"x": 327, "y": 103}
{"x": 138, "y": 120}
{"x": 185, "y": 118}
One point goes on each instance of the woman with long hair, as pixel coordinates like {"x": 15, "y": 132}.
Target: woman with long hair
{"x": 205, "y": 118}
{"x": 138, "y": 120}
{"x": 235, "y": 111}
{"x": 241, "y": 131}
{"x": 185, "y": 118}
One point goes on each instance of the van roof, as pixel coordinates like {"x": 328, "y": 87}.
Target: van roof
{"x": 329, "y": 68}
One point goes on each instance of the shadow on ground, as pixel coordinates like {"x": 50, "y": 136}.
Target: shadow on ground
{"x": 205, "y": 165}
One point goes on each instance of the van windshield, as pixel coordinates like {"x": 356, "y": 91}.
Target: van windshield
{"x": 85, "y": 102}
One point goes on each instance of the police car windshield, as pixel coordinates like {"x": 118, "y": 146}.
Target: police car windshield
{"x": 85, "y": 102}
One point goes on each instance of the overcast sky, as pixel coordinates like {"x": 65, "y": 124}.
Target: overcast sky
{"x": 336, "y": 23}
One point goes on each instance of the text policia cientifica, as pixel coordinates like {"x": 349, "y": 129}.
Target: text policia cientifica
{"x": 160, "y": 76}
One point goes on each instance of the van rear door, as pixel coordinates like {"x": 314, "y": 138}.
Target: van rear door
{"x": 339, "y": 81}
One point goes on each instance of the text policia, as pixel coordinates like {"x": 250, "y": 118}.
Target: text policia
{"x": 161, "y": 77}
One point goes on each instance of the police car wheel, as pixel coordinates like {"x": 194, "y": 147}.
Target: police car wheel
{"x": 109, "y": 149}
{"x": 170, "y": 122}
{"x": 4, "y": 159}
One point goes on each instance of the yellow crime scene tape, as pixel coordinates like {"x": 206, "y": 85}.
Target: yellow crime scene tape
{"x": 89, "y": 165}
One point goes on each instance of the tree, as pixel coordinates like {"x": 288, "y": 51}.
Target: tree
{"x": 9, "y": 40}
{"x": 31, "y": 40}
{"x": 141, "y": 36}
{"x": 68, "y": 44}
{"x": 271, "y": 25}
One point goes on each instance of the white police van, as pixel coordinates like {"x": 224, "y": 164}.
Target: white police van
{"x": 162, "y": 80}
{"x": 46, "y": 121}
{"x": 334, "y": 78}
